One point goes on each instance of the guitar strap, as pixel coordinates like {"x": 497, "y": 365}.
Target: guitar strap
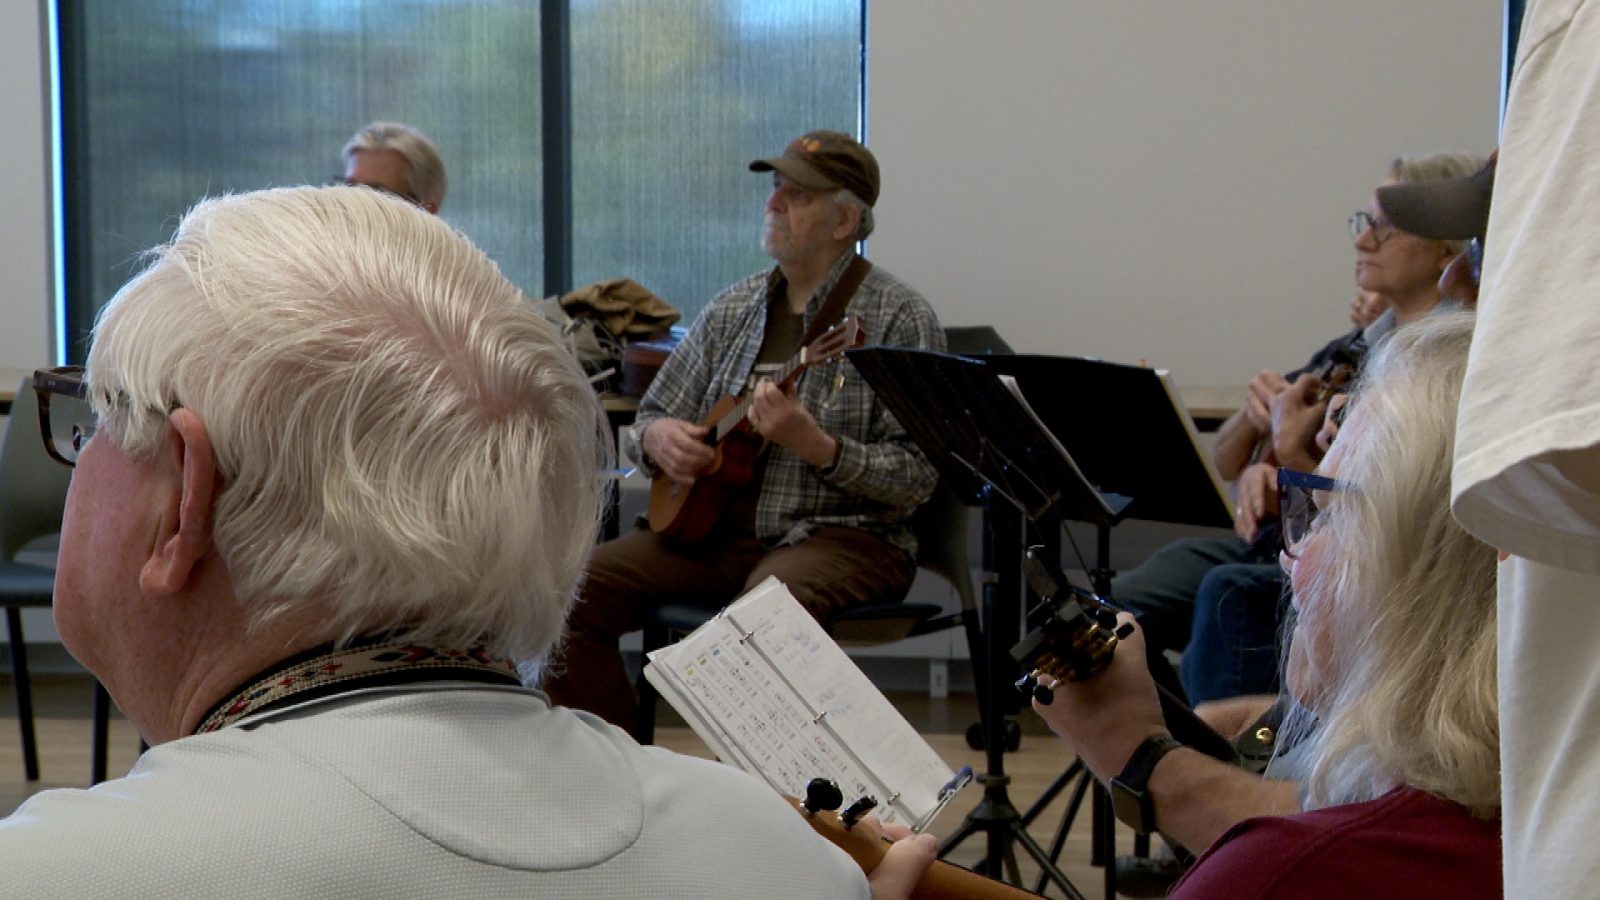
{"x": 834, "y": 304}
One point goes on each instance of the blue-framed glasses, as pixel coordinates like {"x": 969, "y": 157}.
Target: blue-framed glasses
{"x": 1297, "y": 505}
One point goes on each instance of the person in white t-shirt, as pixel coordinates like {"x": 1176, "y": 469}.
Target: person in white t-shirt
{"x": 1527, "y": 461}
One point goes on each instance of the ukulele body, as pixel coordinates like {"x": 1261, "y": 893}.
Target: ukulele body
{"x": 686, "y": 514}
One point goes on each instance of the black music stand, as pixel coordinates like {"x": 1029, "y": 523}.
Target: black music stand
{"x": 986, "y": 443}
{"x": 1086, "y": 441}
{"x": 1140, "y": 442}
{"x": 1129, "y": 431}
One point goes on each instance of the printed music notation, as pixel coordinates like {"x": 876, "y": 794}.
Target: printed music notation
{"x": 770, "y": 692}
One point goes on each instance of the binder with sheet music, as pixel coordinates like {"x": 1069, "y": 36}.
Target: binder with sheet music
{"x": 771, "y": 693}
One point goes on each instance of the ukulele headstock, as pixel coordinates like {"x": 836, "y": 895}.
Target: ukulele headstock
{"x": 821, "y": 809}
{"x": 1072, "y": 633}
{"x": 1342, "y": 365}
{"x": 850, "y": 333}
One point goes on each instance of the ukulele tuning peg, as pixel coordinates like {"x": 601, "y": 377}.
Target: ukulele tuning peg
{"x": 1029, "y": 685}
{"x": 822, "y": 794}
{"x": 858, "y": 809}
{"x": 1105, "y": 617}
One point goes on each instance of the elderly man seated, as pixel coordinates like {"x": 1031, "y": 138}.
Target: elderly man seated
{"x": 334, "y": 481}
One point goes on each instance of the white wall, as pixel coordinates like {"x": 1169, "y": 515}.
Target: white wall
{"x": 25, "y": 268}
{"x": 1158, "y": 179}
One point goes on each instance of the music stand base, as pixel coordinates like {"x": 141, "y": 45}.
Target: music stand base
{"x": 1003, "y": 828}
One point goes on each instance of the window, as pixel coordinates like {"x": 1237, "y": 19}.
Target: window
{"x": 167, "y": 101}
{"x": 670, "y": 103}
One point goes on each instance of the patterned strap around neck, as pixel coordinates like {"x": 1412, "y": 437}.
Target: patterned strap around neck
{"x": 365, "y": 663}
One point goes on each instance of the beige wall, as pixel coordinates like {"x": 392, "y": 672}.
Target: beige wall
{"x": 25, "y": 268}
{"x": 1158, "y": 179}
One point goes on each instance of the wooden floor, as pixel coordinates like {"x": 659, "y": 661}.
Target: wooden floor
{"x": 62, "y": 722}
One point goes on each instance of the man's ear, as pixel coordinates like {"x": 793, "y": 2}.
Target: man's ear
{"x": 849, "y": 221}
{"x": 183, "y": 537}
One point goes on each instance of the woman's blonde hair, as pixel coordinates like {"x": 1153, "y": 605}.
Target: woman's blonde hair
{"x": 1396, "y": 626}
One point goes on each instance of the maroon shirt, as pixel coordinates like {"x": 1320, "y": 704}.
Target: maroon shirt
{"x": 1404, "y": 844}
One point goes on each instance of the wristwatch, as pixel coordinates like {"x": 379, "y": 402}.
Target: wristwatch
{"x": 1130, "y": 798}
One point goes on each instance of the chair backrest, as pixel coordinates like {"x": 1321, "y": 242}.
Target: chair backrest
{"x": 975, "y": 340}
{"x": 33, "y": 487}
{"x": 940, "y": 526}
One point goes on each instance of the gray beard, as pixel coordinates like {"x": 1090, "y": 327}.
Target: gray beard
{"x": 778, "y": 244}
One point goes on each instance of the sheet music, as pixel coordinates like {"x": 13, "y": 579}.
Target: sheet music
{"x": 770, "y": 692}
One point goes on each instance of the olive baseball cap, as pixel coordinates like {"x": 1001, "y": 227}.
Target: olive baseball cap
{"x": 826, "y": 161}
{"x": 1454, "y": 209}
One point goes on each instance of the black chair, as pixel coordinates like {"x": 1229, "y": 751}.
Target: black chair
{"x": 33, "y": 493}
{"x": 975, "y": 340}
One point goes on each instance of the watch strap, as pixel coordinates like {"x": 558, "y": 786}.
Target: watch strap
{"x": 1130, "y": 794}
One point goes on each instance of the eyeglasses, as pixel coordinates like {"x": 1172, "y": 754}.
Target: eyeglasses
{"x": 66, "y": 420}
{"x": 410, "y": 198}
{"x": 1381, "y": 227}
{"x": 1297, "y": 505}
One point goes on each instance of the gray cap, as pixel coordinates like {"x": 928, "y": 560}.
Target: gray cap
{"x": 1453, "y": 209}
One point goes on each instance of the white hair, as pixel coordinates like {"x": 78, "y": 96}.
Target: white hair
{"x": 1403, "y": 602}
{"x": 425, "y": 168}
{"x": 846, "y": 199}
{"x": 401, "y": 437}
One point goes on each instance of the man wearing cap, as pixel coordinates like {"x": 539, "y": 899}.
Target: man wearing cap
{"x": 1455, "y": 209}
{"x": 827, "y": 509}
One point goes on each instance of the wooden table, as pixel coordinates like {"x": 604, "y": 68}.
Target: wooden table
{"x": 1211, "y": 405}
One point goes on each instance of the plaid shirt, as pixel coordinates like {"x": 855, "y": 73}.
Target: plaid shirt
{"x": 880, "y": 477}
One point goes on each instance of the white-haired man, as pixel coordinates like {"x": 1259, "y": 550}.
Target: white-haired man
{"x": 827, "y": 506}
{"x": 396, "y": 159}
{"x": 333, "y": 476}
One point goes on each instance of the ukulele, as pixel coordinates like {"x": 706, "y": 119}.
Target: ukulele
{"x": 1072, "y": 635}
{"x": 1335, "y": 374}
{"x": 942, "y": 881}
{"x": 686, "y": 513}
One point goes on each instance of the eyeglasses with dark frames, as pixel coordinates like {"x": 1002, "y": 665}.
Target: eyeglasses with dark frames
{"x": 1297, "y": 505}
{"x": 1382, "y": 229}
{"x": 66, "y": 420}
{"x": 410, "y": 198}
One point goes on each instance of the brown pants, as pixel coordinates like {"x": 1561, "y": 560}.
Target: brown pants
{"x": 832, "y": 569}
